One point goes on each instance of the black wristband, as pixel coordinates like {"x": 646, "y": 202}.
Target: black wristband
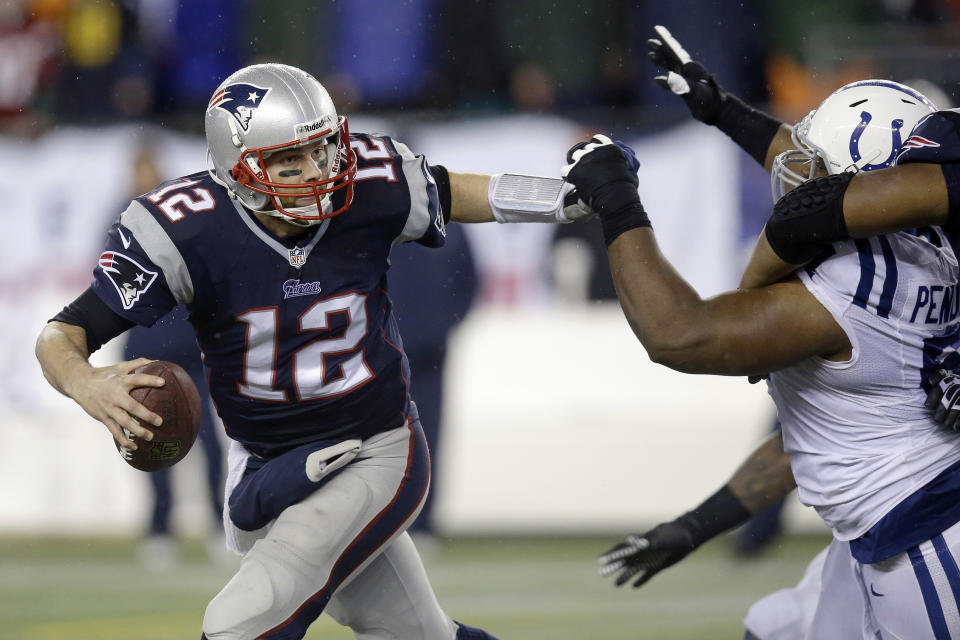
{"x": 718, "y": 513}
{"x": 752, "y": 129}
{"x": 616, "y": 223}
{"x": 618, "y": 206}
{"x": 442, "y": 178}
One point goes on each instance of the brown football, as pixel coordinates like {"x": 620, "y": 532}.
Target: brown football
{"x": 178, "y": 403}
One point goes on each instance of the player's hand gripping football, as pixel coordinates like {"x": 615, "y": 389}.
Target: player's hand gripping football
{"x": 104, "y": 393}
{"x": 685, "y": 77}
{"x": 944, "y": 398}
{"x": 642, "y": 556}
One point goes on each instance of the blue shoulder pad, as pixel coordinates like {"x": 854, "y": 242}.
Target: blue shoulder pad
{"x": 935, "y": 139}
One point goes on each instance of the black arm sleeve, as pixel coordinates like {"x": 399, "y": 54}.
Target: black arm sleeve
{"x": 443, "y": 188}
{"x": 951, "y": 173}
{"x": 718, "y": 513}
{"x": 750, "y": 128}
{"x": 96, "y": 318}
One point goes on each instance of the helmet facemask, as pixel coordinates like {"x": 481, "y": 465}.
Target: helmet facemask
{"x": 271, "y": 108}
{"x": 337, "y": 174}
{"x": 804, "y": 162}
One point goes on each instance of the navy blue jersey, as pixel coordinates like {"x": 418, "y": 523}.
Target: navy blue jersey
{"x": 936, "y": 140}
{"x": 297, "y": 334}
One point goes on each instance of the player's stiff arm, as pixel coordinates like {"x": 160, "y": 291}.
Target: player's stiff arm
{"x": 841, "y": 339}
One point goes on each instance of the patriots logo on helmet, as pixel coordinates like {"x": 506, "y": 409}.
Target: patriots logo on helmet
{"x": 239, "y": 100}
{"x": 129, "y": 278}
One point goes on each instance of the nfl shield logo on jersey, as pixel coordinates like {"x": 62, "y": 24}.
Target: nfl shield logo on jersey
{"x": 297, "y": 257}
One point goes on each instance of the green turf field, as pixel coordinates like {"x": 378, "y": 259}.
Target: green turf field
{"x": 516, "y": 588}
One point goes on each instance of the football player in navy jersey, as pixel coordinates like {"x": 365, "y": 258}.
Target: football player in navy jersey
{"x": 280, "y": 253}
{"x": 823, "y": 333}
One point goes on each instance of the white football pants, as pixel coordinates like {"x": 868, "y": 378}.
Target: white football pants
{"x": 343, "y": 548}
{"x": 913, "y": 596}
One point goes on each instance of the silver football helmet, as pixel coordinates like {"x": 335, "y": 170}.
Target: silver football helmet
{"x": 858, "y": 127}
{"x": 266, "y": 108}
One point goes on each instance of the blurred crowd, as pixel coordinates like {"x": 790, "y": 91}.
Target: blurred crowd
{"x": 92, "y": 61}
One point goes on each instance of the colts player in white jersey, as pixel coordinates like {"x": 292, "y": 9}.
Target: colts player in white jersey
{"x": 851, "y": 341}
{"x": 922, "y": 189}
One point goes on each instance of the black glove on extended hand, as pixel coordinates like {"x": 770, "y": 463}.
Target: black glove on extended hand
{"x": 604, "y": 173}
{"x": 685, "y": 77}
{"x": 943, "y": 398}
{"x": 643, "y": 556}
{"x": 750, "y": 128}
{"x": 600, "y": 172}
{"x": 640, "y": 557}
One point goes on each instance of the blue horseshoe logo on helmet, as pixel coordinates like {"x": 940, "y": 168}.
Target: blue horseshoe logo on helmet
{"x": 865, "y": 118}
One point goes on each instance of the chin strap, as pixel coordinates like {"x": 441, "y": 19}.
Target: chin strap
{"x": 235, "y": 134}
{"x": 273, "y": 213}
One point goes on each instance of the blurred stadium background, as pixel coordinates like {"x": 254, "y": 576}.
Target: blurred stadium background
{"x": 559, "y": 434}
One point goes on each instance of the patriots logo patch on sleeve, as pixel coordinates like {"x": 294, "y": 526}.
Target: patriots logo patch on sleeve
{"x": 239, "y": 100}
{"x": 935, "y": 140}
{"x": 915, "y": 142}
{"x": 129, "y": 277}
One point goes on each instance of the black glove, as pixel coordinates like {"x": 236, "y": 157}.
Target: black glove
{"x": 640, "y": 557}
{"x": 750, "y": 128}
{"x": 685, "y": 77}
{"x": 943, "y": 398}
{"x": 603, "y": 175}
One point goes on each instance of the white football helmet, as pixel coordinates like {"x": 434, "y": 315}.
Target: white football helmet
{"x": 266, "y": 108}
{"x": 859, "y": 127}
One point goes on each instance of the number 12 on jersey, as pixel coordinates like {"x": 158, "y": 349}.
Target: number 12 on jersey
{"x": 311, "y": 379}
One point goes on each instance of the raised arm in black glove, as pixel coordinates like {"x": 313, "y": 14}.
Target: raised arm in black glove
{"x": 750, "y": 128}
{"x": 685, "y": 77}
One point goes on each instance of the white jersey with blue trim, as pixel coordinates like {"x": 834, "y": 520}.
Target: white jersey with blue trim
{"x": 857, "y": 433}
